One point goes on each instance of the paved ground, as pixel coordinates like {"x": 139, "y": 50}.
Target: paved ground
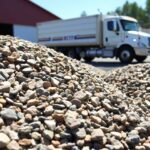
{"x": 111, "y": 63}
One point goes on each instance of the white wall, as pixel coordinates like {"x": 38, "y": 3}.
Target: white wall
{"x": 25, "y": 32}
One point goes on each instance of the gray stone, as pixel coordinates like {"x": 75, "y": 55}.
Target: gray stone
{"x": 48, "y": 134}
{"x": 31, "y": 61}
{"x": 30, "y": 94}
{"x": 4, "y": 73}
{"x": 81, "y": 133}
{"x": 51, "y": 124}
{"x": 133, "y": 139}
{"x": 54, "y": 82}
{"x": 25, "y": 130}
{"x": 27, "y": 70}
{"x": 8, "y": 113}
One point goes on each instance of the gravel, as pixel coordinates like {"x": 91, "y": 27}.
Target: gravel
{"x": 49, "y": 101}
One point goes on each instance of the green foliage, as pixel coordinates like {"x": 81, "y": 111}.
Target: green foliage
{"x": 133, "y": 10}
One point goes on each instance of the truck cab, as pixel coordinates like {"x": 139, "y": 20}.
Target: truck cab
{"x": 123, "y": 33}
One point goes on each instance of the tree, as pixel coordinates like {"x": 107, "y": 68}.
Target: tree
{"x": 133, "y": 10}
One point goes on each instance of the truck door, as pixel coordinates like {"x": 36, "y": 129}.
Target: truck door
{"x": 112, "y": 36}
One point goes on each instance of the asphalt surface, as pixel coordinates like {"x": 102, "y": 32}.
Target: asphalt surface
{"x": 111, "y": 63}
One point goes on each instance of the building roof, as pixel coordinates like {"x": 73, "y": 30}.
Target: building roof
{"x": 23, "y": 12}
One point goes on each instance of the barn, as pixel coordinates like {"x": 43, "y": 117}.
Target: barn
{"x": 19, "y": 17}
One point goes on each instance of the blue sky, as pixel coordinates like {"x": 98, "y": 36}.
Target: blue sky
{"x": 73, "y": 8}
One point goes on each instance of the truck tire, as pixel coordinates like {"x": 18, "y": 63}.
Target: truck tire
{"x": 88, "y": 59}
{"x": 126, "y": 54}
{"x": 140, "y": 58}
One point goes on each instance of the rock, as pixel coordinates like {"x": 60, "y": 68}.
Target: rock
{"x": 48, "y": 110}
{"x": 97, "y": 134}
{"x": 117, "y": 145}
{"x": 48, "y": 134}
{"x": 140, "y": 148}
{"x": 55, "y": 143}
{"x": 13, "y": 145}
{"x": 27, "y": 70}
{"x": 36, "y": 136}
{"x": 84, "y": 113}
{"x": 76, "y": 102}
{"x": 4, "y": 73}
{"x": 67, "y": 78}
{"x": 117, "y": 135}
{"x": 8, "y": 113}
{"x": 13, "y": 135}
{"x": 4, "y": 140}
{"x": 25, "y": 142}
{"x": 28, "y": 117}
{"x": 59, "y": 117}
{"x": 1, "y": 122}
{"x": 88, "y": 138}
{"x": 31, "y": 61}
{"x": 71, "y": 119}
{"x": 5, "y": 87}
{"x": 81, "y": 95}
{"x": 80, "y": 143}
{"x": 66, "y": 145}
{"x": 30, "y": 94}
{"x": 81, "y": 133}
{"x": 147, "y": 145}
{"x": 34, "y": 102}
{"x": 51, "y": 124}
{"x": 95, "y": 101}
{"x": 96, "y": 119}
{"x": 25, "y": 130}
{"x": 133, "y": 139}
{"x": 46, "y": 84}
{"x": 54, "y": 82}
{"x": 86, "y": 148}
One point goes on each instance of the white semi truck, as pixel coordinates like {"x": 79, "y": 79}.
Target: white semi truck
{"x": 96, "y": 36}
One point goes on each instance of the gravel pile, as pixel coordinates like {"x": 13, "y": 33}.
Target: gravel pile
{"x": 134, "y": 81}
{"x": 51, "y": 102}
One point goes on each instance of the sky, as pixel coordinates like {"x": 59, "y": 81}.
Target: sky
{"x": 67, "y": 9}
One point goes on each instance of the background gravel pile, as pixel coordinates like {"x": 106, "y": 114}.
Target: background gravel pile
{"x": 134, "y": 81}
{"x": 49, "y": 101}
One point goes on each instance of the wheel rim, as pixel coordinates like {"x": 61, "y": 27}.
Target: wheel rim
{"x": 125, "y": 55}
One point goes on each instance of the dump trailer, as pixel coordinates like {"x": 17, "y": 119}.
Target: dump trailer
{"x": 96, "y": 36}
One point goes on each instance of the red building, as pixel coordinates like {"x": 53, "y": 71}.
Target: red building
{"x": 19, "y": 17}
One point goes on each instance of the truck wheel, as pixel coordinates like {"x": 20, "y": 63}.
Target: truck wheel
{"x": 140, "y": 58}
{"x": 126, "y": 54}
{"x": 88, "y": 59}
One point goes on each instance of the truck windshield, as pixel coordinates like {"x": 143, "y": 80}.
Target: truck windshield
{"x": 129, "y": 25}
